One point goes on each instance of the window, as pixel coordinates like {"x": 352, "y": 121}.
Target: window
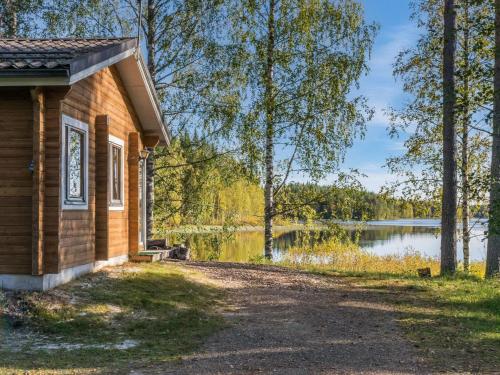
{"x": 74, "y": 166}
{"x": 116, "y": 189}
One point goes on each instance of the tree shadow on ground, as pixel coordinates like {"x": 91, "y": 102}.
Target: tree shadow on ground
{"x": 339, "y": 327}
{"x": 107, "y": 321}
{"x": 454, "y": 321}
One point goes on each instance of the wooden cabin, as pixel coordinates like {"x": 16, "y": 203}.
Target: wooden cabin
{"x": 77, "y": 120}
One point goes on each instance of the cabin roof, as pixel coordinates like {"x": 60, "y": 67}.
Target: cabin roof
{"x": 50, "y": 62}
{"x": 46, "y": 54}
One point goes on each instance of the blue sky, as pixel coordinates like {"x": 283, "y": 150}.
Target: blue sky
{"x": 379, "y": 86}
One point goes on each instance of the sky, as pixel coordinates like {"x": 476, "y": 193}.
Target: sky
{"x": 396, "y": 33}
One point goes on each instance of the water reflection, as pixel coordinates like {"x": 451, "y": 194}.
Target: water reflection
{"x": 381, "y": 238}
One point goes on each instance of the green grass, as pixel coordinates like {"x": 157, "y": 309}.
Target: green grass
{"x": 169, "y": 310}
{"x": 453, "y": 321}
{"x": 166, "y": 310}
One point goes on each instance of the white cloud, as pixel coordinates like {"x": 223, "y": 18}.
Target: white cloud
{"x": 396, "y": 39}
{"x": 374, "y": 181}
{"x": 379, "y": 86}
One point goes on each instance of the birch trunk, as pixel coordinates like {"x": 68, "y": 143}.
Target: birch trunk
{"x": 493, "y": 253}
{"x": 465, "y": 143}
{"x": 269, "y": 152}
{"x": 449, "y": 201}
{"x": 150, "y": 178}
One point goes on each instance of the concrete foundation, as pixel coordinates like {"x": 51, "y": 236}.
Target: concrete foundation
{"x": 51, "y": 280}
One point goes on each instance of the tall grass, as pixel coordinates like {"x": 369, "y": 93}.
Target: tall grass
{"x": 345, "y": 255}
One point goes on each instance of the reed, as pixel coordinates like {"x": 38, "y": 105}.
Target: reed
{"x": 343, "y": 255}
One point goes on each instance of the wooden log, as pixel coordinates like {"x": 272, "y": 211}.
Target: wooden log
{"x": 157, "y": 244}
{"x": 38, "y": 180}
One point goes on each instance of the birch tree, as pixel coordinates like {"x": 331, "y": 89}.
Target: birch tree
{"x": 185, "y": 64}
{"x": 18, "y": 17}
{"x": 301, "y": 62}
{"x": 449, "y": 200}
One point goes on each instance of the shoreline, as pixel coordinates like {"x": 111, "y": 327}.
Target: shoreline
{"x": 369, "y": 225}
{"x": 205, "y": 229}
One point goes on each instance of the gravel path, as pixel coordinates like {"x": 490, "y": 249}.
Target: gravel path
{"x": 288, "y": 322}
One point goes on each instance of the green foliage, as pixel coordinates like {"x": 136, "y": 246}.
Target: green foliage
{"x": 18, "y": 17}
{"x": 195, "y": 185}
{"x": 85, "y": 18}
{"x": 319, "y": 52}
{"x": 218, "y": 191}
{"x": 420, "y": 69}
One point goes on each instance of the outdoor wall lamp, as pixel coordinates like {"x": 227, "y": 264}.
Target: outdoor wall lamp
{"x": 143, "y": 154}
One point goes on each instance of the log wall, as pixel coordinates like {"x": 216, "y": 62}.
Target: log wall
{"x": 16, "y": 153}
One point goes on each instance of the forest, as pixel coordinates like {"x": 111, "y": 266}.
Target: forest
{"x": 222, "y": 191}
{"x": 259, "y": 95}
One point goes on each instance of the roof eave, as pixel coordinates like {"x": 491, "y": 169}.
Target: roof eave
{"x": 154, "y": 98}
{"x": 34, "y": 77}
{"x": 90, "y": 63}
{"x": 136, "y": 79}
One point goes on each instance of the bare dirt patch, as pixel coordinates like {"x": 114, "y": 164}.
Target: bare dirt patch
{"x": 284, "y": 321}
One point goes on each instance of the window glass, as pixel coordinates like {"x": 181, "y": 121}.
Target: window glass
{"x": 116, "y": 159}
{"x": 75, "y": 164}
{"x": 115, "y": 174}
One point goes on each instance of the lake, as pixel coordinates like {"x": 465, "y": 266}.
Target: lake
{"x": 377, "y": 237}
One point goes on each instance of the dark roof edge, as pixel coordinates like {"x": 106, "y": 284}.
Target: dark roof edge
{"x": 96, "y": 58}
{"x": 71, "y": 38}
{"x": 154, "y": 94}
{"x": 87, "y": 65}
{"x": 33, "y": 73}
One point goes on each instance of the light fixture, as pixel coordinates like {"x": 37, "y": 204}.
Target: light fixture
{"x": 143, "y": 154}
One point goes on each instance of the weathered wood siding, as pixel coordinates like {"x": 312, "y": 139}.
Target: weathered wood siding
{"x": 100, "y": 94}
{"x": 16, "y": 153}
{"x": 52, "y": 212}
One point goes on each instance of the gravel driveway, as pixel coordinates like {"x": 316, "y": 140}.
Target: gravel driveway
{"x": 283, "y": 321}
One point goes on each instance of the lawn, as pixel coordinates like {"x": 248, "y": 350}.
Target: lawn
{"x": 119, "y": 318}
{"x": 142, "y": 315}
{"x": 453, "y": 321}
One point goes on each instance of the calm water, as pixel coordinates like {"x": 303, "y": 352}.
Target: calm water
{"x": 378, "y": 237}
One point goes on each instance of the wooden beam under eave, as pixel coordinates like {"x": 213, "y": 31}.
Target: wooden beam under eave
{"x": 38, "y": 168}
{"x": 150, "y": 141}
{"x": 133, "y": 194}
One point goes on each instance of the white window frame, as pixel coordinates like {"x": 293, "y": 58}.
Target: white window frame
{"x": 142, "y": 209}
{"x": 67, "y": 123}
{"x": 120, "y": 143}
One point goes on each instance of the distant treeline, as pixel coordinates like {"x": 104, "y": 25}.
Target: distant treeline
{"x": 196, "y": 186}
{"x": 353, "y": 203}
